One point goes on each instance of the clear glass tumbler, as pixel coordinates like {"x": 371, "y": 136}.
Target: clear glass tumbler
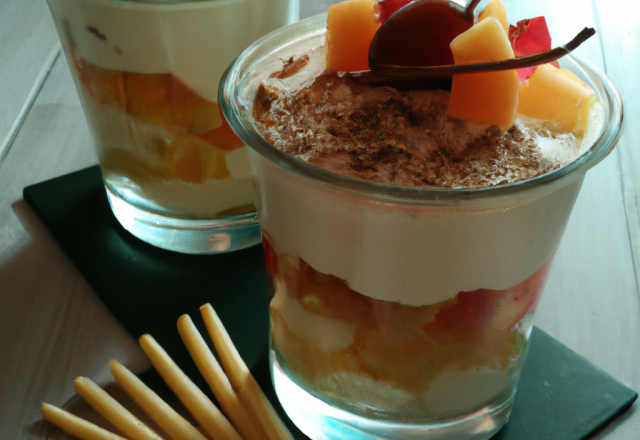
{"x": 400, "y": 313}
{"x": 147, "y": 73}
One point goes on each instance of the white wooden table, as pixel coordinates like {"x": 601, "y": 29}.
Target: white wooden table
{"x": 53, "y": 327}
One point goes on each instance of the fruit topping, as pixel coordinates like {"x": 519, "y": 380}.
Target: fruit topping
{"x": 496, "y": 9}
{"x": 351, "y": 26}
{"x": 193, "y": 160}
{"x": 552, "y": 94}
{"x": 529, "y": 37}
{"x": 223, "y": 137}
{"x": 489, "y": 98}
{"x": 419, "y": 36}
{"x": 157, "y": 98}
{"x": 389, "y": 7}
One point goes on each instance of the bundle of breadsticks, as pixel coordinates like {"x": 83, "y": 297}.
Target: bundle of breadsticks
{"x": 250, "y": 415}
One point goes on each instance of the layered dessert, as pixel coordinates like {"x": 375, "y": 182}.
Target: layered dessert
{"x": 384, "y": 304}
{"x": 148, "y": 73}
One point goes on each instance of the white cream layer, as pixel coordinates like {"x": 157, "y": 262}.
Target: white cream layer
{"x": 195, "y": 41}
{"x": 414, "y": 255}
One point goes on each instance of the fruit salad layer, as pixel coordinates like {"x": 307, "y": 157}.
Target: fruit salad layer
{"x": 396, "y": 361}
{"x": 148, "y": 77}
{"x": 414, "y": 312}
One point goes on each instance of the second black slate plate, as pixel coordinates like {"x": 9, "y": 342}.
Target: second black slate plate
{"x": 561, "y": 395}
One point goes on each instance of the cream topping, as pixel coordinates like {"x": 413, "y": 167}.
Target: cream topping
{"x": 195, "y": 41}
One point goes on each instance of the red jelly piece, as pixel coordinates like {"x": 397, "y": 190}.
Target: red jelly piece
{"x": 529, "y": 37}
{"x": 388, "y": 7}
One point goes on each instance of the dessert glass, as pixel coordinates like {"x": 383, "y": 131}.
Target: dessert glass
{"x": 147, "y": 74}
{"x": 398, "y": 312}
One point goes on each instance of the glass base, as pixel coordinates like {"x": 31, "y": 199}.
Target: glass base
{"x": 187, "y": 236}
{"x": 320, "y": 420}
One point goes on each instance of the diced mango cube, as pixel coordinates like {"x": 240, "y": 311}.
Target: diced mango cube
{"x": 351, "y": 26}
{"x": 223, "y": 138}
{"x": 163, "y": 99}
{"x": 554, "y": 96}
{"x": 193, "y": 160}
{"x": 158, "y": 98}
{"x": 489, "y": 98}
{"x": 569, "y": 74}
{"x": 495, "y": 9}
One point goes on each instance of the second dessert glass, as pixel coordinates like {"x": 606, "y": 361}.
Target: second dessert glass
{"x": 147, "y": 74}
{"x": 397, "y": 312}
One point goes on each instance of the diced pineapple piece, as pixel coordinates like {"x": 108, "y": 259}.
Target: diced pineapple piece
{"x": 489, "y": 98}
{"x": 351, "y": 26}
{"x": 496, "y": 9}
{"x": 554, "y": 96}
{"x": 193, "y": 160}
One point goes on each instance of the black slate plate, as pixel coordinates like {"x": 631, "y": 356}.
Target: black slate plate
{"x": 561, "y": 395}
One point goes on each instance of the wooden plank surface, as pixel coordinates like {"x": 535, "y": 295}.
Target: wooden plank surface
{"x": 53, "y": 327}
{"x": 28, "y": 48}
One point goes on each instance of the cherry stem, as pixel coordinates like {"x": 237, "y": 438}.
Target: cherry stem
{"x": 468, "y": 11}
{"x": 417, "y": 73}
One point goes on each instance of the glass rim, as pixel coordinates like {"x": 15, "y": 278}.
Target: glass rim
{"x": 157, "y": 4}
{"x": 240, "y": 69}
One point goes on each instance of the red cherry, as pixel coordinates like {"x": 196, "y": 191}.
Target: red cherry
{"x": 419, "y": 34}
{"x": 388, "y": 7}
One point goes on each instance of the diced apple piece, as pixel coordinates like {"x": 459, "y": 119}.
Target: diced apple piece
{"x": 496, "y": 9}
{"x": 489, "y": 98}
{"x": 554, "y": 96}
{"x": 351, "y": 26}
{"x": 193, "y": 160}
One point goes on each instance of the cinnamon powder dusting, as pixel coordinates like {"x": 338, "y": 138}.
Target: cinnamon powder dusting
{"x": 386, "y": 135}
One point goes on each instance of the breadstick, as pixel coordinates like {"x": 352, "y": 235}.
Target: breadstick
{"x": 160, "y": 412}
{"x": 76, "y": 426}
{"x": 208, "y": 365}
{"x": 203, "y": 410}
{"x": 113, "y": 411}
{"x": 241, "y": 379}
